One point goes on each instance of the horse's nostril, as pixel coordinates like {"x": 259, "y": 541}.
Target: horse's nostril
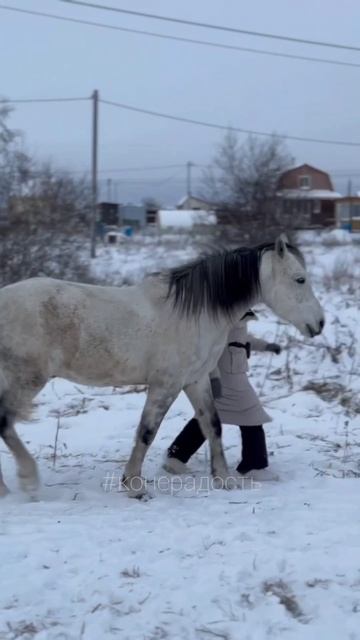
{"x": 310, "y": 330}
{"x": 322, "y": 324}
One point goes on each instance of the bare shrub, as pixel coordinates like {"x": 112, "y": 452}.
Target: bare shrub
{"x": 336, "y": 238}
{"x": 44, "y": 215}
{"x": 355, "y": 237}
{"x": 41, "y": 254}
{"x": 54, "y": 200}
{"x": 340, "y": 275}
{"x": 15, "y": 164}
{"x": 341, "y": 270}
{"x": 242, "y": 183}
{"x": 283, "y": 593}
{"x": 134, "y": 572}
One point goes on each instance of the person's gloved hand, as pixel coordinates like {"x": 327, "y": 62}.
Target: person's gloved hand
{"x": 216, "y": 387}
{"x": 273, "y": 347}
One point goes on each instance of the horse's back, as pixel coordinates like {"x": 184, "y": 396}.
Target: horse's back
{"x": 36, "y": 293}
{"x": 88, "y": 333}
{"x": 99, "y": 335}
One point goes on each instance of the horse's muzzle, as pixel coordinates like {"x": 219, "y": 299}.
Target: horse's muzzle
{"x": 315, "y": 331}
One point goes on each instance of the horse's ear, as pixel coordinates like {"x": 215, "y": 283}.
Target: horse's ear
{"x": 280, "y": 245}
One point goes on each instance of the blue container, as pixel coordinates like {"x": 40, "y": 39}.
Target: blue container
{"x": 346, "y": 226}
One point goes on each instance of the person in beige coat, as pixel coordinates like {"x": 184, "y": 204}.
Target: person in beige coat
{"x": 236, "y": 403}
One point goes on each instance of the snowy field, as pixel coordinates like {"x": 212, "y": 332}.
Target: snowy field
{"x": 279, "y": 559}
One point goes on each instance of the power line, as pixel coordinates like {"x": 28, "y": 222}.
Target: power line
{"x": 338, "y": 173}
{"x": 155, "y": 183}
{"x": 344, "y": 170}
{"x": 201, "y": 123}
{"x": 207, "y": 25}
{"x": 349, "y": 174}
{"x": 151, "y": 168}
{"x": 182, "y": 166}
{"x": 195, "y": 165}
{"x": 224, "y": 127}
{"x": 174, "y": 178}
{"x": 163, "y": 36}
{"x": 36, "y": 100}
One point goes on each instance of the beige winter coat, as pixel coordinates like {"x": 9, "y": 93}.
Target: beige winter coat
{"x": 239, "y": 403}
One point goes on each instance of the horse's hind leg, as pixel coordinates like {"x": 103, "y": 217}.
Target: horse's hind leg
{"x": 201, "y": 398}
{"x": 26, "y": 465}
{"x": 157, "y": 404}
{"x": 3, "y": 488}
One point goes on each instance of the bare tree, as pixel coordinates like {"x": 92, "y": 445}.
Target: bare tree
{"x": 15, "y": 164}
{"x": 43, "y": 253}
{"x": 150, "y": 203}
{"x": 45, "y": 215}
{"x": 242, "y": 182}
{"x": 54, "y": 200}
{"x": 47, "y": 231}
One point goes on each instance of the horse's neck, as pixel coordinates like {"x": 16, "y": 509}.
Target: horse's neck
{"x": 212, "y": 333}
{"x": 155, "y": 289}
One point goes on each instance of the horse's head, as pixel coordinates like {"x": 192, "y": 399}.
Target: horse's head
{"x": 286, "y": 289}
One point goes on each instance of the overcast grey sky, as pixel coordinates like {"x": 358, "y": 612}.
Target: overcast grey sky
{"x": 44, "y": 58}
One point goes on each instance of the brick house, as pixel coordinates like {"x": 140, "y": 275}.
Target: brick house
{"x": 306, "y": 195}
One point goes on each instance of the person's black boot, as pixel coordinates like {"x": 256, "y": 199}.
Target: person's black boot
{"x": 254, "y": 452}
{"x": 183, "y": 447}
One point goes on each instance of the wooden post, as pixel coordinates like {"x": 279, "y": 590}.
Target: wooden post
{"x": 188, "y": 178}
{"x": 94, "y": 172}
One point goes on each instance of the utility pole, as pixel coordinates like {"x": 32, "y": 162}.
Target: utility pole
{"x": 189, "y": 166}
{"x": 116, "y": 184}
{"x": 350, "y": 204}
{"x": 94, "y": 172}
{"x": 349, "y": 188}
{"x": 109, "y": 189}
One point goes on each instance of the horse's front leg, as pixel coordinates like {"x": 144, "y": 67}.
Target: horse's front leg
{"x": 202, "y": 400}
{"x": 158, "y": 401}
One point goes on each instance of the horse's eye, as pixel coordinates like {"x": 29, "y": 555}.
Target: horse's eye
{"x": 300, "y": 280}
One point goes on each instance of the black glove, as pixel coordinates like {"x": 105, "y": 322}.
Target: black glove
{"x": 273, "y": 347}
{"x": 216, "y": 387}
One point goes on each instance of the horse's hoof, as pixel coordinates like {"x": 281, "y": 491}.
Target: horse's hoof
{"x": 136, "y": 486}
{"x": 175, "y": 466}
{"x": 226, "y": 481}
{"x": 260, "y": 475}
{"x": 145, "y": 496}
{"x": 29, "y": 483}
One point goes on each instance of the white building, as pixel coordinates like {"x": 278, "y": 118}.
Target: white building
{"x": 184, "y": 218}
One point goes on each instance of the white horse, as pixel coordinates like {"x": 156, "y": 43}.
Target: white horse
{"x": 167, "y": 332}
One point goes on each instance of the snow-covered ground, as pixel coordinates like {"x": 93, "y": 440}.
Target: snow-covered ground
{"x": 277, "y": 559}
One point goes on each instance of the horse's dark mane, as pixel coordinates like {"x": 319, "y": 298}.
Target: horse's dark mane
{"x": 219, "y": 282}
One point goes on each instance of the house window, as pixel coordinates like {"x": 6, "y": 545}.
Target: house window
{"x": 151, "y": 217}
{"x": 304, "y": 182}
{"x": 317, "y": 206}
